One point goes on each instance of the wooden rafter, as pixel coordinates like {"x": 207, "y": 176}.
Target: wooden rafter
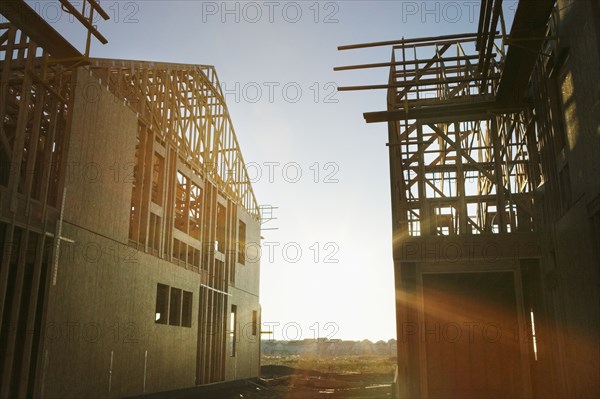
{"x": 185, "y": 103}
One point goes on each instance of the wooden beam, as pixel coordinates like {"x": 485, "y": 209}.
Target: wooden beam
{"x": 400, "y": 63}
{"x": 469, "y": 247}
{"x": 34, "y": 26}
{"x": 401, "y": 42}
{"x": 84, "y": 21}
{"x": 446, "y": 112}
{"x": 411, "y": 83}
{"x": 99, "y": 9}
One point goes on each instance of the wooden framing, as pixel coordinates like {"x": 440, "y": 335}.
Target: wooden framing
{"x": 185, "y": 106}
{"x": 36, "y": 100}
{"x": 190, "y": 186}
{"x": 189, "y": 180}
{"x": 464, "y": 166}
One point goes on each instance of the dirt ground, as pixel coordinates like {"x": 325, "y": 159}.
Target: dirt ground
{"x": 284, "y": 382}
{"x": 304, "y": 377}
{"x": 281, "y": 382}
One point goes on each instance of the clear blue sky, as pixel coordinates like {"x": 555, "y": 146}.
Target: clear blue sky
{"x": 276, "y": 62}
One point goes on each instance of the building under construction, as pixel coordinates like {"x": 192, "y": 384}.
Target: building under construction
{"x": 126, "y": 213}
{"x": 494, "y": 145}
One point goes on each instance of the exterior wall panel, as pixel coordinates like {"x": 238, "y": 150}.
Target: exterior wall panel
{"x": 100, "y": 332}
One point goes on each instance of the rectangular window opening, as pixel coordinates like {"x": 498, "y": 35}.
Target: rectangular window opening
{"x": 242, "y": 243}
{"x": 221, "y": 228}
{"x": 254, "y": 323}
{"x": 186, "y": 311}
{"x": 154, "y": 232}
{"x": 182, "y": 194}
{"x": 179, "y": 252}
{"x": 195, "y": 211}
{"x": 175, "y": 307}
{"x": 157, "y": 178}
{"x": 162, "y": 304}
{"x": 233, "y": 329}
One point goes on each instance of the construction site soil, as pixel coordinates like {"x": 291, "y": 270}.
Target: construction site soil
{"x": 282, "y": 382}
